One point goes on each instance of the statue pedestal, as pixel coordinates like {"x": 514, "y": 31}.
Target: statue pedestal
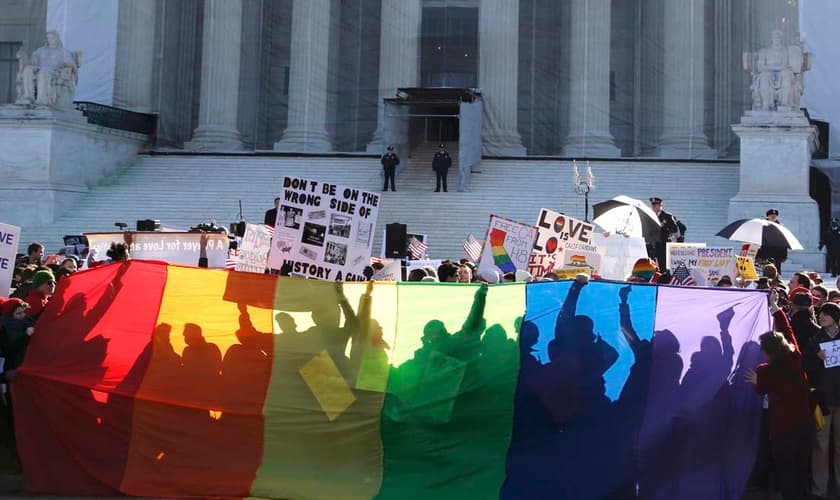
{"x": 776, "y": 152}
{"x": 50, "y": 158}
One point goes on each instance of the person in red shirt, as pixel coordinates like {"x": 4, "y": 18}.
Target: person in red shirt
{"x": 43, "y": 286}
{"x": 790, "y": 413}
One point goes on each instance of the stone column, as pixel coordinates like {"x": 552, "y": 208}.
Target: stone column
{"x": 589, "y": 86}
{"x": 134, "y": 75}
{"x": 399, "y": 55}
{"x": 306, "y": 129}
{"x": 683, "y": 75}
{"x": 498, "y": 76}
{"x": 220, "y": 55}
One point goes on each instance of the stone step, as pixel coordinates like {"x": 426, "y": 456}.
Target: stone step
{"x": 183, "y": 190}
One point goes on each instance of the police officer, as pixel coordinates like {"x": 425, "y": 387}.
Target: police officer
{"x": 776, "y": 255}
{"x": 390, "y": 160}
{"x": 440, "y": 164}
{"x": 671, "y": 229}
{"x": 831, "y": 240}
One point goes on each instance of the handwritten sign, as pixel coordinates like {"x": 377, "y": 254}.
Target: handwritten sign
{"x": 253, "y": 251}
{"x": 324, "y": 231}
{"x": 563, "y": 241}
{"x": 832, "y": 353}
{"x": 9, "y": 240}
{"x": 508, "y": 245}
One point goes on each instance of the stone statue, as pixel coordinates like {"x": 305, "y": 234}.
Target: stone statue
{"x": 49, "y": 77}
{"x": 776, "y": 70}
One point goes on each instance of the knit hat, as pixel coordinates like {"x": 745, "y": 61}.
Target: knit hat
{"x": 831, "y": 309}
{"x": 42, "y": 277}
{"x": 644, "y": 269}
{"x": 8, "y": 307}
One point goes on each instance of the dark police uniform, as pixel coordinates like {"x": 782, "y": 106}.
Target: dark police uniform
{"x": 389, "y": 164}
{"x": 440, "y": 164}
{"x": 671, "y": 229}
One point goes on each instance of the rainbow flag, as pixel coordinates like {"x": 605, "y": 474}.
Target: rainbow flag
{"x": 158, "y": 380}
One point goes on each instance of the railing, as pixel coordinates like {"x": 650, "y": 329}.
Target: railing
{"x": 121, "y": 119}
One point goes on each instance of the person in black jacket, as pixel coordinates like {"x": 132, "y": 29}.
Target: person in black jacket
{"x": 271, "y": 215}
{"x": 390, "y": 160}
{"x": 776, "y": 255}
{"x": 671, "y": 229}
{"x": 440, "y": 164}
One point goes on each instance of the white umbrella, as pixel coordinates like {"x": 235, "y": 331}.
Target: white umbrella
{"x": 628, "y": 216}
{"x": 761, "y": 232}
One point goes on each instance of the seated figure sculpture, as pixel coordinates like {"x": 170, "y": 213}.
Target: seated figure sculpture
{"x": 777, "y": 75}
{"x": 49, "y": 76}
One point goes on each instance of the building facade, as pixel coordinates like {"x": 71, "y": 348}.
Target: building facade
{"x": 576, "y": 78}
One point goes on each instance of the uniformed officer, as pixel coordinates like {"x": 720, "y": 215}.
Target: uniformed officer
{"x": 776, "y": 255}
{"x": 440, "y": 164}
{"x": 671, "y": 229}
{"x": 390, "y": 160}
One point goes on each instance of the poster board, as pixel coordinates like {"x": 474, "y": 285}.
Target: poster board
{"x": 9, "y": 242}
{"x": 391, "y": 272}
{"x": 706, "y": 264}
{"x": 323, "y": 231}
{"x": 563, "y": 241}
{"x": 620, "y": 254}
{"x": 253, "y": 249}
{"x": 174, "y": 247}
{"x": 832, "y": 353}
{"x": 508, "y": 245}
{"x": 678, "y": 251}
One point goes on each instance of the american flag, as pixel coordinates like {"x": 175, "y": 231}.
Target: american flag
{"x": 472, "y": 247}
{"x": 416, "y": 248}
{"x": 682, "y": 276}
{"x": 230, "y": 262}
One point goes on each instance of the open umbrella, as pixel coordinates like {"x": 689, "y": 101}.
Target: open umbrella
{"x": 761, "y": 232}
{"x": 628, "y": 216}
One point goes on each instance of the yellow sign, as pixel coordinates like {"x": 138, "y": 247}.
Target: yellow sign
{"x": 746, "y": 268}
{"x": 570, "y": 272}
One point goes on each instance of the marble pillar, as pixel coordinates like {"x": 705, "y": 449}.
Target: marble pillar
{"x": 220, "y": 57}
{"x": 306, "y": 130}
{"x": 684, "y": 82}
{"x": 134, "y": 77}
{"x": 589, "y": 80}
{"x": 399, "y": 55}
{"x": 498, "y": 76}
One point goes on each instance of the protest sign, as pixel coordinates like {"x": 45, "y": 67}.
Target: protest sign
{"x": 562, "y": 241}
{"x": 171, "y": 247}
{"x": 391, "y": 272}
{"x": 706, "y": 264}
{"x": 253, "y": 250}
{"x": 411, "y": 265}
{"x": 508, "y": 245}
{"x": 832, "y": 353}
{"x": 746, "y": 268}
{"x": 324, "y": 231}
{"x": 675, "y": 253}
{"x": 570, "y": 272}
{"x": 9, "y": 240}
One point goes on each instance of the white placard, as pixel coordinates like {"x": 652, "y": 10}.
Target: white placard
{"x": 679, "y": 251}
{"x": 563, "y": 241}
{"x": 391, "y": 272}
{"x": 9, "y": 241}
{"x": 508, "y": 245}
{"x": 832, "y": 353}
{"x": 707, "y": 264}
{"x": 253, "y": 250}
{"x": 324, "y": 231}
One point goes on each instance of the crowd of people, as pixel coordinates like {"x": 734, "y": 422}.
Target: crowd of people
{"x": 802, "y": 396}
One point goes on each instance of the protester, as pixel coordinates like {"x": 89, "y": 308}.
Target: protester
{"x": 43, "y": 286}
{"x": 34, "y": 255}
{"x": 827, "y": 384}
{"x": 390, "y": 160}
{"x": 440, "y": 164}
{"x": 820, "y": 294}
{"x": 790, "y": 416}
